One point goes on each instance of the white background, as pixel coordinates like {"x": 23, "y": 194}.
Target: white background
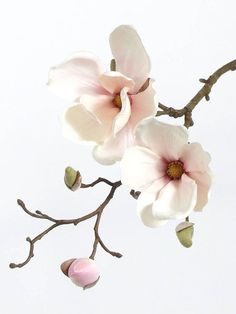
{"x": 186, "y": 40}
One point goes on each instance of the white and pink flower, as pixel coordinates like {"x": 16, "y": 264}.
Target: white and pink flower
{"x": 173, "y": 176}
{"x": 107, "y": 106}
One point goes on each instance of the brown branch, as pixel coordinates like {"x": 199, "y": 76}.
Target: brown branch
{"x": 76, "y": 221}
{"x": 116, "y": 254}
{"x": 83, "y": 186}
{"x": 97, "y": 239}
{"x": 204, "y": 92}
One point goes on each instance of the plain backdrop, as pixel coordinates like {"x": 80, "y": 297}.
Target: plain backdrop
{"x": 186, "y": 40}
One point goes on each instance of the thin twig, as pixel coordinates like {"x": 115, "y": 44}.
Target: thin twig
{"x": 97, "y": 239}
{"x": 37, "y": 213}
{"x": 76, "y": 221}
{"x": 84, "y": 186}
{"x": 105, "y": 248}
{"x": 204, "y": 92}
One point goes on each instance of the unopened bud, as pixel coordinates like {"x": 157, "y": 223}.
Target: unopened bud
{"x": 184, "y": 232}
{"x": 113, "y": 65}
{"x": 84, "y": 272}
{"x": 72, "y": 178}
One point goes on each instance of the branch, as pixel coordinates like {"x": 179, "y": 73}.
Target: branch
{"x": 97, "y": 239}
{"x": 75, "y": 222}
{"x": 96, "y": 182}
{"x": 204, "y": 92}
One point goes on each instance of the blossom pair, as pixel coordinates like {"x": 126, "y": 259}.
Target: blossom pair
{"x": 116, "y": 110}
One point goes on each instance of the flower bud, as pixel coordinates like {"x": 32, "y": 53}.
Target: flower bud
{"x": 72, "y": 178}
{"x": 184, "y": 232}
{"x": 83, "y": 272}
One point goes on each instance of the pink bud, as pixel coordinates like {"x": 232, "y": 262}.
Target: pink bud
{"x": 83, "y": 272}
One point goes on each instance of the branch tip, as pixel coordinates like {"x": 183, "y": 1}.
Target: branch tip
{"x": 20, "y": 203}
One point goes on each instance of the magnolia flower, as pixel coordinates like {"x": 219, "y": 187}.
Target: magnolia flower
{"x": 172, "y": 175}
{"x": 107, "y": 106}
{"x": 82, "y": 271}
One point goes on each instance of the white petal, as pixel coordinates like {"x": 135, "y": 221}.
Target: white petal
{"x": 195, "y": 158}
{"x": 140, "y": 167}
{"x": 143, "y": 105}
{"x": 145, "y": 203}
{"x": 101, "y": 107}
{"x": 164, "y": 139}
{"x": 131, "y": 57}
{"x": 81, "y": 125}
{"x": 114, "y": 81}
{"x": 114, "y": 147}
{"x": 176, "y": 200}
{"x": 203, "y": 181}
{"x": 76, "y": 76}
{"x": 123, "y": 116}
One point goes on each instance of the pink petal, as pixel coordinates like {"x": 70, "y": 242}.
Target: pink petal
{"x": 81, "y": 125}
{"x": 131, "y": 57}
{"x": 101, "y": 107}
{"x": 123, "y": 116}
{"x": 143, "y": 105}
{"x": 113, "y": 82}
{"x": 140, "y": 167}
{"x": 145, "y": 203}
{"x": 164, "y": 139}
{"x": 76, "y": 76}
{"x": 176, "y": 200}
{"x": 203, "y": 181}
{"x": 195, "y": 158}
{"x": 114, "y": 147}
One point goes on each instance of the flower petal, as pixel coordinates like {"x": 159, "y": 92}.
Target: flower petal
{"x": 114, "y": 147}
{"x": 203, "y": 181}
{"x": 195, "y": 158}
{"x": 76, "y": 76}
{"x": 140, "y": 167}
{"x": 145, "y": 203}
{"x": 143, "y": 105}
{"x": 131, "y": 57}
{"x": 101, "y": 107}
{"x": 123, "y": 116}
{"x": 176, "y": 200}
{"x": 114, "y": 81}
{"x": 81, "y": 125}
{"x": 164, "y": 139}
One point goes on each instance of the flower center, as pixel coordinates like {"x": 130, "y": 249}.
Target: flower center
{"x": 175, "y": 169}
{"x": 117, "y": 101}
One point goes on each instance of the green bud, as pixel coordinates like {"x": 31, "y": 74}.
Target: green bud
{"x": 184, "y": 232}
{"x": 72, "y": 178}
{"x": 113, "y": 65}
